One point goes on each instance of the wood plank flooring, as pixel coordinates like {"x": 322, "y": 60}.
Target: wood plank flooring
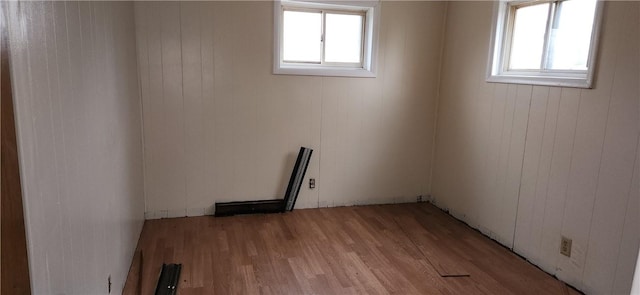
{"x": 384, "y": 249}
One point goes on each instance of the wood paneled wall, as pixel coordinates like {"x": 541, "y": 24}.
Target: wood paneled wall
{"x": 529, "y": 164}
{"x": 219, "y": 126}
{"x": 79, "y": 137}
{"x": 14, "y": 266}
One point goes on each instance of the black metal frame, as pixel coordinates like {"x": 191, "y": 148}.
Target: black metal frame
{"x": 248, "y": 207}
{"x": 297, "y": 177}
{"x": 168, "y": 280}
{"x": 272, "y": 206}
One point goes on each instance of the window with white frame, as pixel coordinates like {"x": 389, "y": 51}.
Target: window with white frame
{"x": 326, "y": 39}
{"x": 545, "y": 42}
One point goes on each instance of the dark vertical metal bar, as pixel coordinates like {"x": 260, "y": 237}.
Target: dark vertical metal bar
{"x": 295, "y": 183}
{"x": 168, "y": 280}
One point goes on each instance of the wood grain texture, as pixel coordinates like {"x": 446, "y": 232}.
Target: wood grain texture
{"x": 14, "y": 270}
{"x": 134, "y": 282}
{"x": 344, "y": 250}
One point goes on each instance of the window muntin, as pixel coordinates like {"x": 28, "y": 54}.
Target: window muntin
{"x": 545, "y": 42}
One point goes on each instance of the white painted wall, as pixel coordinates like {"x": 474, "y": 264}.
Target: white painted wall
{"x": 219, "y": 126}
{"x": 78, "y": 117}
{"x": 527, "y": 164}
{"x": 635, "y": 288}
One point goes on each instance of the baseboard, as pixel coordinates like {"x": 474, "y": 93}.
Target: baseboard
{"x": 211, "y": 210}
{"x": 249, "y": 207}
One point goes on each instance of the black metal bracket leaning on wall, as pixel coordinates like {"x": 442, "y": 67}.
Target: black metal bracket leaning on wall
{"x": 272, "y": 206}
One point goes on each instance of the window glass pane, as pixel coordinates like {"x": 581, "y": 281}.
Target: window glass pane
{"x": 301, "y": 36}
{"x": 528, "y": 37}
{"x": 343, "y": 38}
{"x": 571, "y": 35}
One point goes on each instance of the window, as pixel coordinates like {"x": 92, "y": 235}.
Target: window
{"x": 545, "y": 42}
{"x": 325, "y": 39}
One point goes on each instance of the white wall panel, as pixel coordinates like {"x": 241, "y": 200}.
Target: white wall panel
{"x": 617, "y": 162}
{"x": 624, "y": 264}
{"x": 219, "y": 126}
{"x": 78, "y": 118}
{"x": 527, "y": 165}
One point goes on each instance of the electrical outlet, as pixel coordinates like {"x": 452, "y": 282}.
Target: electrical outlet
{"x": 109, "y": 284}
{"x": 565, "y": 246}
{"x": 312, "y": 183}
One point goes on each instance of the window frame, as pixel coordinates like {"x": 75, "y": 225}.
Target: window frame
{"x": 323, "y": 15}
{"x": 502, "y": 35}
{"x": 368, "y": 65}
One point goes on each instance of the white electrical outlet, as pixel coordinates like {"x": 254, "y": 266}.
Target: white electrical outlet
{"x": 565, "y": 246}
{"x": 312, "y": 183}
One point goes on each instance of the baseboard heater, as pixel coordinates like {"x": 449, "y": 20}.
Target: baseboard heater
{"x": 272, "y": 206}
{"x": 169, "y": 278}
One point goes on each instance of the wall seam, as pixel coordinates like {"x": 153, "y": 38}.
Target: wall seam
{"x": 524, "y": 153}
{"x": 184, "y": 132}
{"x": 164, "y": 111}
{"x": 320, "y": 142}
{"x": 141, "y": 106}
{"x": 438, "y": 97}
{"x": 510, "y": 139}
{"x": 535, "y": 189}
{"x": 49, "y": 99}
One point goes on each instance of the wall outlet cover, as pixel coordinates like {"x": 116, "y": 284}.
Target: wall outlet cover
{"x": 565, "y": 246}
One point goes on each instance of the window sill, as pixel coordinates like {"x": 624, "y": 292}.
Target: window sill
{"x": 581, "y": 82}
{"x": 323, "y": 71}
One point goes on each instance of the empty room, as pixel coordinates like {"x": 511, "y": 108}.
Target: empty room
{"x": 320, "y": 147}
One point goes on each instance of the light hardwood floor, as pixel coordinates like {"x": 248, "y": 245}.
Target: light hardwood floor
{"x": 385, "y": 249}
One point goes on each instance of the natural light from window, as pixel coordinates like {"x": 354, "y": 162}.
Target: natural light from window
{"x": 322, "y": 37}
{"x": 545, "y": 42}
{"x": 568, "y": 33}
{"x": 302, "y": 36}
{"x": 326, "y": 38}
{"x": 343, "y": 38}
{"x": 570, "y": 37}
{"x": 528, "y": 37}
